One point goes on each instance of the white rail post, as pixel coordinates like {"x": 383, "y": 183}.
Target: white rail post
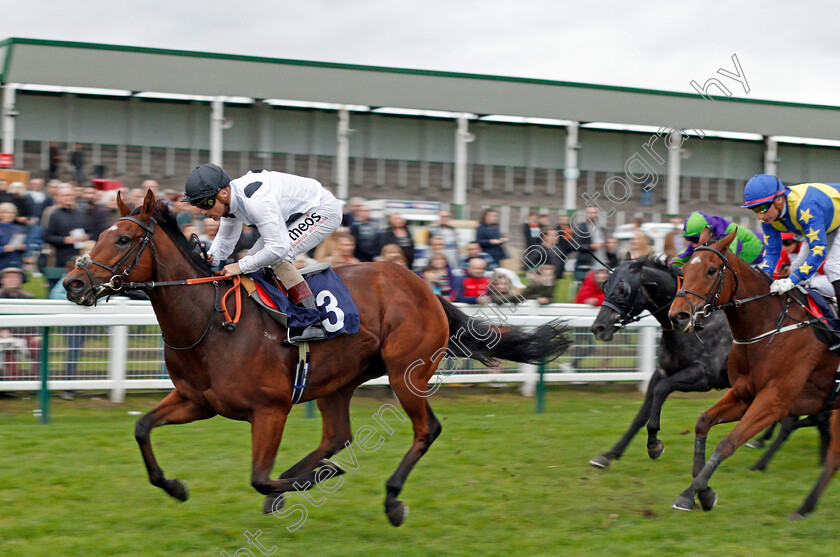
{"x": 647, "y": 355}
{"x": 529, "y": 384}
{"x": 117, "y": 362}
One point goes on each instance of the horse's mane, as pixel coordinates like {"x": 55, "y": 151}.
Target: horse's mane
{"x": 654, "y": 261}
{"x": 764, "y": 274}
{"x": 167, "y": 222}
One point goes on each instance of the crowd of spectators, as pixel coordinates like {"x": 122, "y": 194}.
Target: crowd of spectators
{"x": 46, "y": 225}
{"x": 43, "y": 227}
{"x": 486, "y": 269}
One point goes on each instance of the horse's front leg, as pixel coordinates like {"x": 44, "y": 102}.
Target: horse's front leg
{"x": 642, "y": 416}
{"x": 691, "y": 379}
{"x": 335, "y": 431}
{"x": 335, "y": 436}
{"x": 756, "y": 416}
{"x": 729, "y": 408}
{"x": 266, "y": 433}
{"x": 173, "y": 409}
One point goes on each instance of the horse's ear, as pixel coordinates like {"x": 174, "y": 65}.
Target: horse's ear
{"x": 148, "y": 206}
{"x": 705, "y": 236}
{"x": 123, "y": 208}
{"x": 724, "y": 244}
{"x": 627, "y": 256}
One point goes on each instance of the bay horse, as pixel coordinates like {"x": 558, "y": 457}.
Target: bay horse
{"x": 777, "y": 365}
{"x": 247, "y": 374}
{"x": 685, "y": 363}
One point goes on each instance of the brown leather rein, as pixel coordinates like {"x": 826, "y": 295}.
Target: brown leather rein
{"x": 117, "y": 282}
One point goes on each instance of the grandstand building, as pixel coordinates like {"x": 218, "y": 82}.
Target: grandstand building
{"x": 471, "y": 140}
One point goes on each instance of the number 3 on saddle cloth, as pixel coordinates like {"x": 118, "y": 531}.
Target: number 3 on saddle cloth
{"x": 338, "y": 312}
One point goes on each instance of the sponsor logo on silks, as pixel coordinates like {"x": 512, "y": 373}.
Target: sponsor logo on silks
{"x": 306, "y": 225}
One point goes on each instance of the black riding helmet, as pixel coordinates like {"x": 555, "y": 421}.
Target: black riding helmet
{"x": 205, "y": 181}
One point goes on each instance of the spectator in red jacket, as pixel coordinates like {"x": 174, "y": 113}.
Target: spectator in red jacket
{"x": 591, "y": 291}
{"x": 474, "y": 286}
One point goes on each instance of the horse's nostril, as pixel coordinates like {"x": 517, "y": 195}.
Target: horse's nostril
{"x": 682, "y": 317}
{"x": 75, "y": 285}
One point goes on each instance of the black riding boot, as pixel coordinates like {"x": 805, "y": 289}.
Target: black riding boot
{"x": 312, "y": 332}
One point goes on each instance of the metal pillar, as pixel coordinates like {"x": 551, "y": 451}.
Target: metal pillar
{"x": 343, "y": 162}
{"x": 462, "y": 138}
{"x": 9, "y": 114}
{"x": 217, "y": 121}
{"x": 771, "y": 154}
{"x": 264, "y": 148}
{"x": 571, "y": 172}
{"x": 674, "y": 151}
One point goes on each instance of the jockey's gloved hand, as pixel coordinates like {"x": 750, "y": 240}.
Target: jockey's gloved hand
{"x": 781, "y": 286}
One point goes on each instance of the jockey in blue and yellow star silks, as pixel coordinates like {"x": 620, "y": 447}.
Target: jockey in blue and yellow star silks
{"x": 747, "y": 245}
{"x": 812, "y": 212}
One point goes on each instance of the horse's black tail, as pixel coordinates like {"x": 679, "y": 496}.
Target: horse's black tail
{"x": 479, "y": 339}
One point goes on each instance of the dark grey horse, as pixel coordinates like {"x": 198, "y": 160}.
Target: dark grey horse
{"x": 686, "y": 363}
{"x": 788, "y": 426}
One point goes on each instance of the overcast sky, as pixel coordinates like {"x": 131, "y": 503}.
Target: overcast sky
{"x": 788, "y": 51}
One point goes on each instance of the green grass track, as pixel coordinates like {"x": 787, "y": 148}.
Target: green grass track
{"x": 501, "y": 480}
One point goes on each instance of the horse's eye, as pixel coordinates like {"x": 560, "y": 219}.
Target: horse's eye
{"x": 123, "y": 240}
{"x": 711, "y": 271}
{"x": 623, "y": 289}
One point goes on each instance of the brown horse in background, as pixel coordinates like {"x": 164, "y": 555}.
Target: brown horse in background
{"x": 247, "y": 374}
{"x": 777, "y": 366}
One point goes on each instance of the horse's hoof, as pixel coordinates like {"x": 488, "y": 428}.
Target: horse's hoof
{"x": 177, "y": 489}
{"x": 708, "y": 499}
{"x": 600, "y": 462}
{"x": 796, "y": 516}
{"x": 397, "y": 513}
{"x": 338, "y": 469}
{"x": 656, "y": 450}
{"x": 758, "y": 444}
{"x": 758, "y": 468}
{"x": 274, "y": 502}
{"x": 683, "y": 503}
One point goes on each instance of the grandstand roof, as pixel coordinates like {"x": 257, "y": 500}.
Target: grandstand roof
{"x": 135, "y": 69}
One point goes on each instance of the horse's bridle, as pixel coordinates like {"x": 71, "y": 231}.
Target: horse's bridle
{"x": 118, "y": 279}
{"x": 710, "y": 300}
{"x": 624, "y": 317}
